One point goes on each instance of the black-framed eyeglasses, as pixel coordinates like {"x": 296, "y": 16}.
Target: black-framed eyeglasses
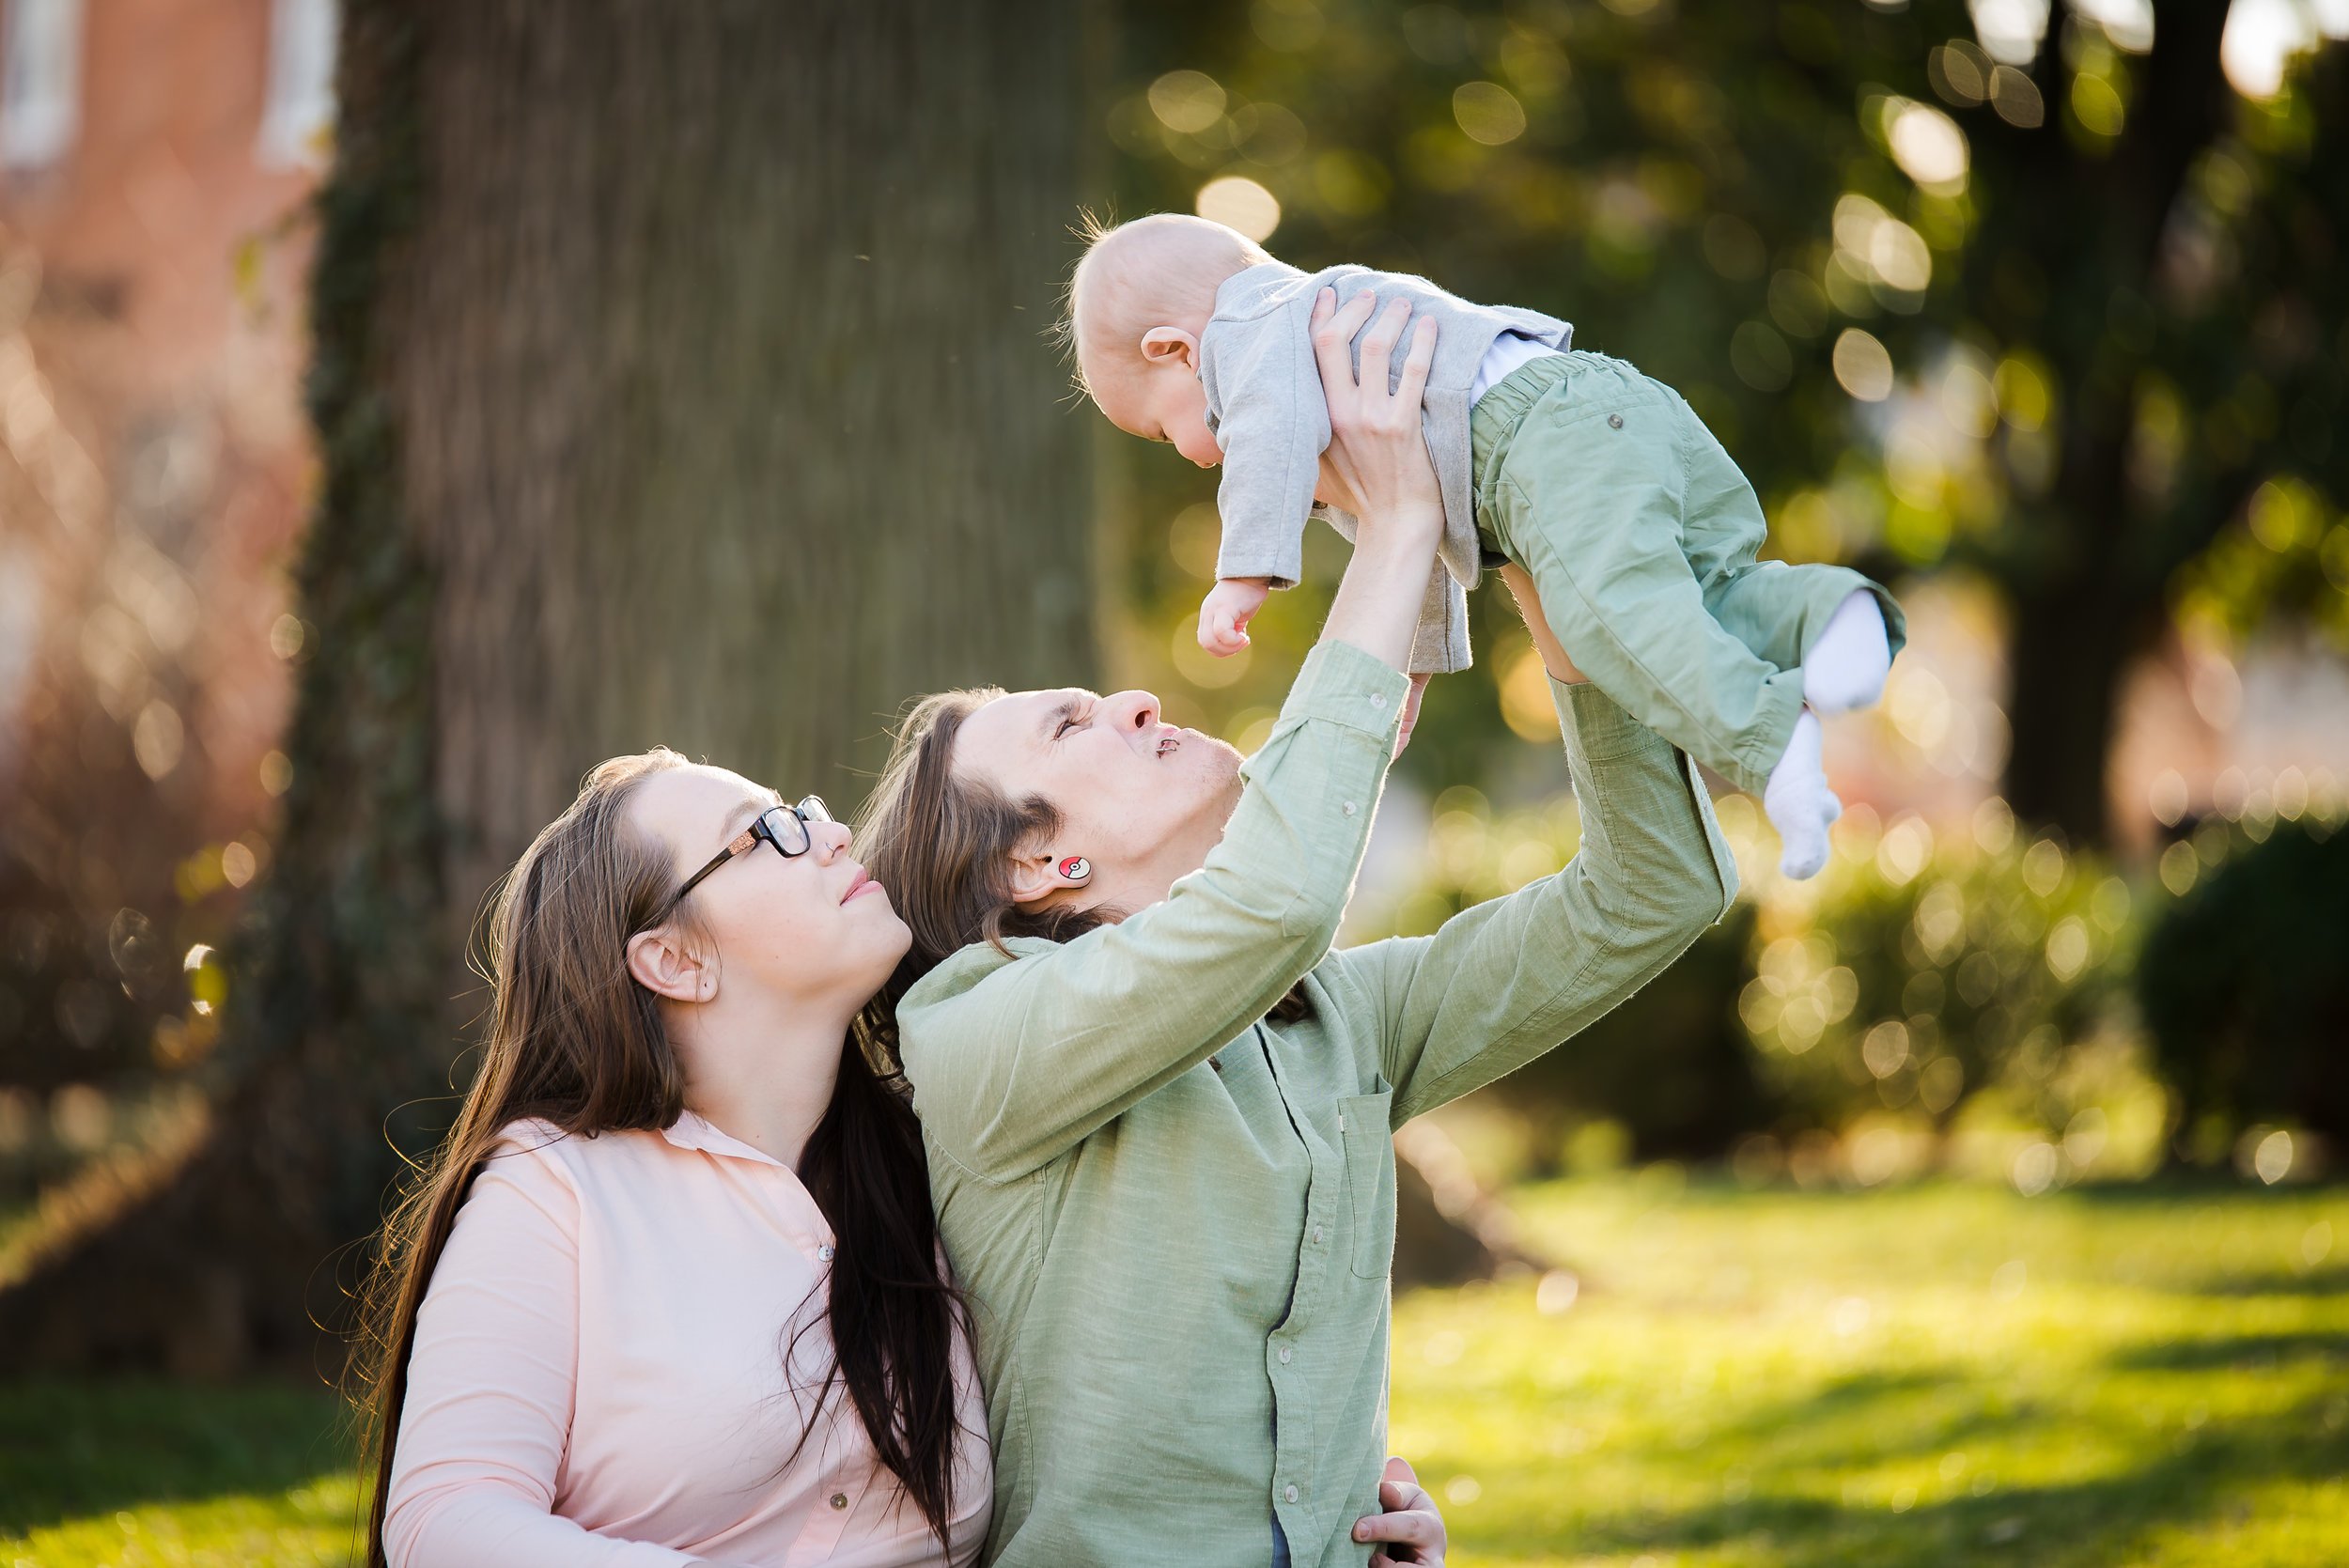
{"x": 784, "y": 826}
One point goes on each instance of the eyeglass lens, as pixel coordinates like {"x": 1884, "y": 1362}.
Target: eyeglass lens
{"x": 788, "y": 824}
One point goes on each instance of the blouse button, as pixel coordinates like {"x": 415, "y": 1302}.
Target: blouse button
{"x": 840, "y": 1499}
{"x": 1614, "y": 421}
{"x": 827, "y": 1252}
{"x": 1347, "y": 808}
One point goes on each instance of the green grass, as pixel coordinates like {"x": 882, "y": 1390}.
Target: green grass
{"x": 2146, "y": 1376}
{"x": 1939, "y": 1374}
{"x": 142, "y": 1474}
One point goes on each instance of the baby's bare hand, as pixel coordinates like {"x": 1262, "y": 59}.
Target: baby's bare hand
{"x": 1224, "y": 614}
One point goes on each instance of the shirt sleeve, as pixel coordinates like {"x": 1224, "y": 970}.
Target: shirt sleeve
{"x": 1500, "y": 983}
{"x": 1018, "y": 1067}
{"x": 1273, "y": 425}
{"x": 490, "y": 1379}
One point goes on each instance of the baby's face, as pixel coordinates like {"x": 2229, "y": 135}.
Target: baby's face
{"x": 1159, "y": 400}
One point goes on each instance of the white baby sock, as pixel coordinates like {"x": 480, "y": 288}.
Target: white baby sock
{"x": 1800, "y": 805}
{"x": 1847, "y": 666}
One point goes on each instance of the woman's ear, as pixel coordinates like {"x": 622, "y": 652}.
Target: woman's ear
{"x": 1160, "y": 345}
{"x": 662, "y": 963}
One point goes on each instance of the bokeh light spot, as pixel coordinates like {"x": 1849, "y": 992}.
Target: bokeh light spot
{"x": 1238, "y": 202}
{"x": 1863, "y": 368}
{"x": 1488, "y": 113}
{"x": 1187, "y": 100}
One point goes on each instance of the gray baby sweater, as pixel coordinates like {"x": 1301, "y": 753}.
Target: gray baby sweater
{"x": 1265, "y": 406}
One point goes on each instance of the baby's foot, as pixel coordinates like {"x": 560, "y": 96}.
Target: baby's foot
{"x": 1799, "y": 804}
{"x": 1847, "y": 666}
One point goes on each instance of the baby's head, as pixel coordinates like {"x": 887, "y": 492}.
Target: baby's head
{"x": 1136, "y": 305}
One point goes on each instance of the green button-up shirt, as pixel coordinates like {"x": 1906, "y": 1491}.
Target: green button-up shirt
{"x": 1174, "y": 1215}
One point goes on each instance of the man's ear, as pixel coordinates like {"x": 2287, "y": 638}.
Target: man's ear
{"x": 1161, "y": 345}
{"x": 1033, "y": 877}
{"x": 662, "y": 963}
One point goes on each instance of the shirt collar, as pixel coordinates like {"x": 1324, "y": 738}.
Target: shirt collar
{"x": 692, "y": 1130}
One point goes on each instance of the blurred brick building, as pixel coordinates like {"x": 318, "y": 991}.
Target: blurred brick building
{"x": 156, "y": 158}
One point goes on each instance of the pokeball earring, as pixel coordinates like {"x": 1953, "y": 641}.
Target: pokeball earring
{"x": 1075, "y": 868}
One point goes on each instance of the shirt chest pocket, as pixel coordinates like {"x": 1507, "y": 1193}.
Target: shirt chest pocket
{"x": 1369, "y": 1145}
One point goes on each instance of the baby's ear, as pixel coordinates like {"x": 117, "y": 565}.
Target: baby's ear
{"x": 1160, "y": 345}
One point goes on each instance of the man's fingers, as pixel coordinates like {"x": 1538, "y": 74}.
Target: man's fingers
{"x": 1397, "y": 1496}
{"x": 1399, "y": 1468}
{"x": 1336, "y": 327}
{"x": 1379, "y": 341}
{"x": 1418, "y": 361}
{"x": 1410, "y": 1528}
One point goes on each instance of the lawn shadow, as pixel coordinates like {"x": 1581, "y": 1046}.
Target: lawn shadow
{"x": 1834, "y": 1400}
{"x": 2084, "y": 1522}
{"x": 72, "y": 1449}
{"x": 2169, "y": 1188}
{"x": 2240, "y": 1352}
{"x": 2332, "y": 1280}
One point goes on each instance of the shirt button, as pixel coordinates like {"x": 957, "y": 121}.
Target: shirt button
{"x": 1614, "y": 421}
{"x": 1347, "y": 808}
{"x": 1290, "y": 1494}
{"x": 840, "y": 1499}
{"x": 1285, "y": 1361}
{"x": 1316, "y": 1236}
{"x": 1377, "y": 699}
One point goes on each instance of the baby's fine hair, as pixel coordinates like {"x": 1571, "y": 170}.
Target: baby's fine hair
{"x": 1137, "y": 290}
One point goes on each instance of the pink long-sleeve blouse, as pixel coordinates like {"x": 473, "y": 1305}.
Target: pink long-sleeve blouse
{"x": 597, "y": 1379}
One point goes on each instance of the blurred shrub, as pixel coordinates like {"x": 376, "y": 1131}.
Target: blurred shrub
{"x": 1922, "y": 966}
{"x": 2244, "y": 985}
{"x": 1921, "y": 972}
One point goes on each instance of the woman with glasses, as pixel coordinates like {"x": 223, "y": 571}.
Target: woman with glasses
{"x": 671, "y": 1290}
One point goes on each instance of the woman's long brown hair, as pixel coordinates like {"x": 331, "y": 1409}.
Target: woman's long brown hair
{"x": 574, "y": 1040}
{"x": 943, "y": 844}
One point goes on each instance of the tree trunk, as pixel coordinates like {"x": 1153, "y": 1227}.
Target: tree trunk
{"x": 2088, "y": 572}
{"x": 2070, "y": 650}
{"x": 680, "y": 379}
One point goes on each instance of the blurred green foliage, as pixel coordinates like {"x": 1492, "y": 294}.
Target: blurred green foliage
{"x": 1922, "y": 965}
{"x": 2055, "y": 317}
{"x": 1970, "y": 992}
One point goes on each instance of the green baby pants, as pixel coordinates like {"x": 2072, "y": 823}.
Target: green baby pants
{"x": 1642, "y": 538}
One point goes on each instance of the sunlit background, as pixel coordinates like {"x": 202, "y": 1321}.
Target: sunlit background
{"x": 1979, "y": 310}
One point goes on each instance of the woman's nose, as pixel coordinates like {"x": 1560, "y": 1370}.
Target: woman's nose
{"x": 829, "y": 839}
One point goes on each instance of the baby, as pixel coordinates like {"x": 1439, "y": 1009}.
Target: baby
{"x": 1641, "y": 537}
